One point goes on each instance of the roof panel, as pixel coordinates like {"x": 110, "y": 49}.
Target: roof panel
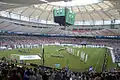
{"x": 49, "y": 8}
{"x": 19, "y": 10}
{"x": 36, "y": 14}
{"x": 117, "y": 17}
{"x": 82, "y": 9}
{"x": 113, "y": 11}
{"x": 44, "y": 16}
{"x": 89, "y": 8}
{"x": 78, "y": 17}
{"x": 50, "y": 17}
{"x": 103, "y": 6}
{"x": 96, "y": 7}
{"x": 105, "y": 16}
{"x": 28, "y": 12}
{"x": 86, "y": 16}
{"x": 75, "y": 9}
{"x": 109, "y": 3}
{"x": 96, "y": 16}
{"x": 43, "y": 6}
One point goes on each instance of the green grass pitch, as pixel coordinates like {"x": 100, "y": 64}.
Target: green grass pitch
{"x": 95, "y": 57}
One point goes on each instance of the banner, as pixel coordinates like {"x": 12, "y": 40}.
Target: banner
{"x": 78, "y": 53}
{"x": 57, "y": 65}
{"x": 86, "y": 57}
{"x": 82, "y": 56}
{"x": 29, "y": 57}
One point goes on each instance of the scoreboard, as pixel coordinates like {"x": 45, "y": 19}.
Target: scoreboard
{"x": 64, "y": 16}
{"x": 59, "y": 12}
{"x": 70, "y": 18}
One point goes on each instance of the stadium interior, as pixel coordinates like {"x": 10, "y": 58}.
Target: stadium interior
{"x": 59, "y": 39}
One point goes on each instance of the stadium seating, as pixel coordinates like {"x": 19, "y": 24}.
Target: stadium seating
{"x": 22, "y": 39}
{"x": 39, "y": 73}
{"x": 11, "y": 40}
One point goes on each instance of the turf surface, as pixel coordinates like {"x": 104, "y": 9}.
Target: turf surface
{"x": 95, "y": 57}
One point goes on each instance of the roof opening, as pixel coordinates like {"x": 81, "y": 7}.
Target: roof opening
{"x": 75, "y": 2}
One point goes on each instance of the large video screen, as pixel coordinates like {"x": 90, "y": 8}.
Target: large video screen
{"x": 59, "y": 12}
{"x": 70, "y": 17}
{"x": 64, "y": 16}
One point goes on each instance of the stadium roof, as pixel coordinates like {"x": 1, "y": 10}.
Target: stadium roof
{"x": 22, "y": 17}
{"x": 87, "y": 11}
{"x": 74, "y": 2}
{"x": 27, "y": 2}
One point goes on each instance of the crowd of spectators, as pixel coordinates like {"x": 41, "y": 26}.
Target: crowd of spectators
{"x": 11, "y": 71}
{"x": 22, "y": 39}
{"x": 12, "y": 40}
